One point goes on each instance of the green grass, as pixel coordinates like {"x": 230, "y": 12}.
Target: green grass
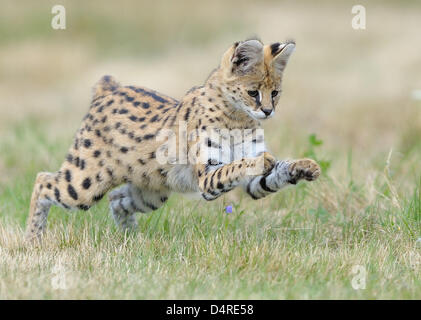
{"x": 300, "y": 243}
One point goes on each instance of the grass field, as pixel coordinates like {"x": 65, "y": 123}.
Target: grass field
{"x": 348, "y": 102}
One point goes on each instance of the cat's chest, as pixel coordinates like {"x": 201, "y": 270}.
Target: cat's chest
{"x": 228, "y": 146}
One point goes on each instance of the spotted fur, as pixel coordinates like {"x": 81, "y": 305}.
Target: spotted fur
{"x": 119, "y": 142}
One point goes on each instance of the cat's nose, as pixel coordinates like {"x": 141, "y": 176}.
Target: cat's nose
{"x": 267, "y": 112}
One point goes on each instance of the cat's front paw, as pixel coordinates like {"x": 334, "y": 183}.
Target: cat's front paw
{"x": 303, "y": 169}
{"x": 269, "y": 162}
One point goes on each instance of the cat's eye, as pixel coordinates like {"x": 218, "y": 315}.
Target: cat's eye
{"x": 274, "y": 93}
{"x": 253, "y": 93}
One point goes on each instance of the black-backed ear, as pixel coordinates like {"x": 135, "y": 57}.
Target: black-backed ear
{"x": 246, "y": 56}
{"x": 281, "y": 53}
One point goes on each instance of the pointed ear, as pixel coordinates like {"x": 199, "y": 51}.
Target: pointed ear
{"x": 280, "y": 53}
{"x": 246, "y": 56}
